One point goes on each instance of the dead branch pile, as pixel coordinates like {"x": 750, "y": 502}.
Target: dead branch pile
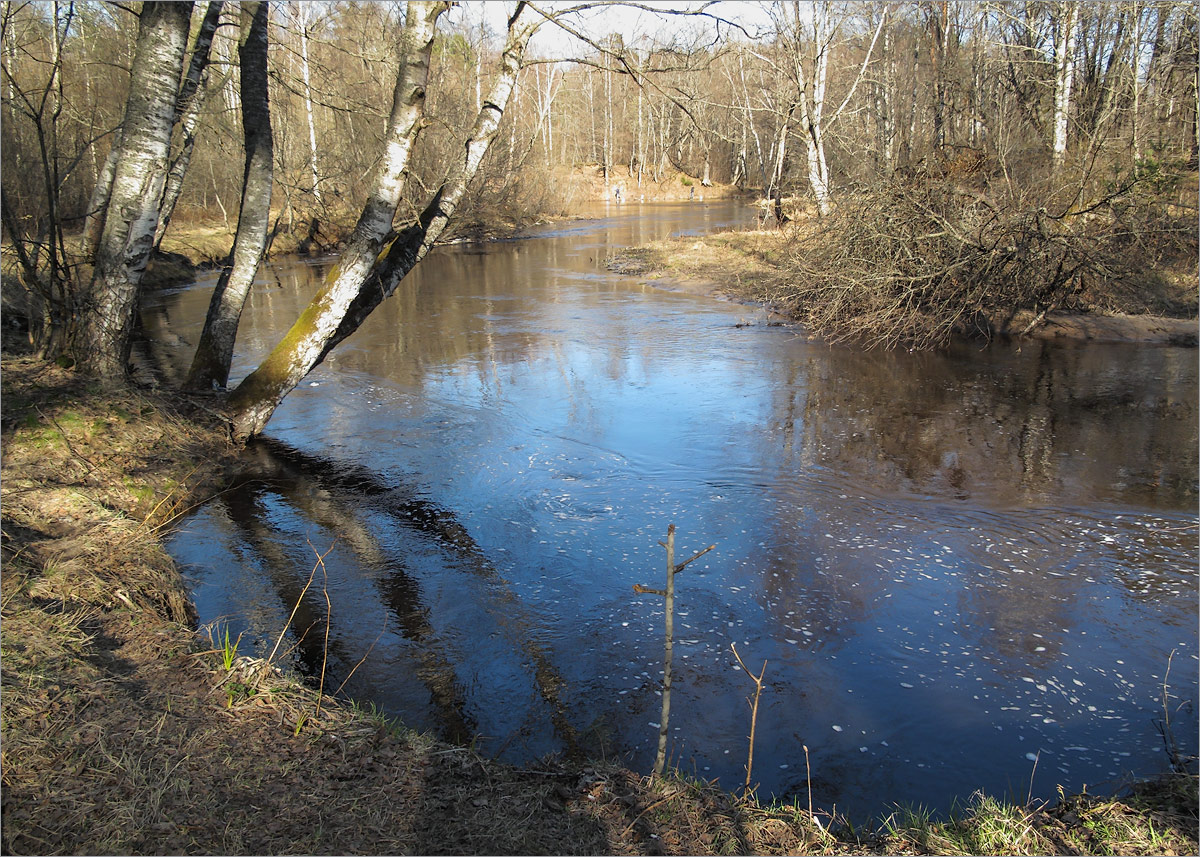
{"x": 915, "y": 261}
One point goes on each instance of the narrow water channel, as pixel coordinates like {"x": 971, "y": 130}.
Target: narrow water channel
{"x": 965, "y": 570}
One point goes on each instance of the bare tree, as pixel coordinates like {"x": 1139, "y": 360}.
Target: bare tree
{"x": 107, "y": 317}
{"x": 346, "y": 301}
{"x": 210, "y": 367}
{"x": 1065, "y": 31}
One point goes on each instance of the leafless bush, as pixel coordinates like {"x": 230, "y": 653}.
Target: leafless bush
{"x": 915, "y": 261}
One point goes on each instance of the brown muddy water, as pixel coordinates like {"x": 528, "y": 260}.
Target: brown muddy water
{"x": 965, "y": 570}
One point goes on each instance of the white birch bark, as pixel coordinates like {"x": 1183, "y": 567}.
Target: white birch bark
{"x": 214, "y": 353}
{"x": 1064, "y": 60}
{"x": 331, "y": 317}
{"x": 128, "y": 236}
{"x": 302, "y": 12}
{"x": 260, "y": 393}
{"x": 814, "y": 139}
{"x": 188, "y": 106}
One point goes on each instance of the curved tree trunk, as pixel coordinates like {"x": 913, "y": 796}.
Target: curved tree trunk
{"x": 125, "y": 243}
{"x": 214, "y": 353}
{"x": 256, "y": 398}
{"x": 186, "y": 103}
{"x": 333, "y": 316}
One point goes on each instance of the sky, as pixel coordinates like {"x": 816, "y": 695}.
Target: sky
{"x": 630, "y": 23}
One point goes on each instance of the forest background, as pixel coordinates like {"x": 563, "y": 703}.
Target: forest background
{"x": 954, "y": 163}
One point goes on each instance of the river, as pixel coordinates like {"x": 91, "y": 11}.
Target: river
{"x": 964, "y": 570}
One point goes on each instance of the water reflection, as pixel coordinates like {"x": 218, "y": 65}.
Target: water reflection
{"x": 953, "y": 562}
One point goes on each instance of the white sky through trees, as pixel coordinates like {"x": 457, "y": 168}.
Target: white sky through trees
{"x": 630, "y": 22}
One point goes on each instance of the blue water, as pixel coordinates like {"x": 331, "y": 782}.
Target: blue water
{"x": 965, "y": 570}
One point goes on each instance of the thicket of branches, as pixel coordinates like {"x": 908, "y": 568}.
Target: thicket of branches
{"x": 953, "y": 248}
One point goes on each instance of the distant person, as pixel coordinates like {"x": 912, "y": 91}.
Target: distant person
{"x": 692, "y": 192}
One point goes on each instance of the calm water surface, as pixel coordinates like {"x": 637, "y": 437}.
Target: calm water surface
{"x": 964, "y": 570}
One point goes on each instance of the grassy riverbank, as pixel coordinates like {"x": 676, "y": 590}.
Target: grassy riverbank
{"x": 915, "y": 263}
{"x": 754, "y": 266}
{"x": 125, "y": 730}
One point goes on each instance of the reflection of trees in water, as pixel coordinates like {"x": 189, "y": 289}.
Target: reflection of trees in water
{"x": 335, "y": 496}
{"x": 1045, "y": 425}
{"x": 1014, "y": 424}
{"x": 1008, "y": 608}
{"x": 1013, "y": 427}
{"x": 805, "y": 588}
{"x": 399, "y": 591}
{"x": 242, "y": 512}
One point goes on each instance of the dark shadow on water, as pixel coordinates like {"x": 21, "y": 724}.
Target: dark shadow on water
{"x": 336, "y": 496}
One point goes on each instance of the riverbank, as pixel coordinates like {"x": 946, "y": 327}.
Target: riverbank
{"x": 125, "y": 730}
{"x": 749, "y": 266}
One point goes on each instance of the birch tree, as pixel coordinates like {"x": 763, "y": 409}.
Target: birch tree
{"x": 124, "y": 247}
{"x": 364, "y": 280}
{"x": 210, "y": 367}
{"x": 810, "y": 49}
{"x": 302, "y": 20}
{"x": 1067, "y": 16}
{"x": 187, "y": 106}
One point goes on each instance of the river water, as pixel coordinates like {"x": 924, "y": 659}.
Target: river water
{"x": 965, "y": 570}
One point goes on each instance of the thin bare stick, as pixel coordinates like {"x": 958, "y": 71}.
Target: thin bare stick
{"x": 328, "y": 616}
{"x": 668, "y": 595}
{"x": 758, "y": 683}
{"x": 661, "y": 758}
{"x": 1032, "y": 774}
{"x": 311, "y": 576}
{"x": 1164, "y": 725}
{"x": 808, "y": 775}
{"x": 363, "y": 659}
{"x": 692, "y": 558}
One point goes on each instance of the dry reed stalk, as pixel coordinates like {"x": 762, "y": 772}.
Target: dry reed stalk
{"x": 758, "y": 683}
{"x": 311, "y": 576}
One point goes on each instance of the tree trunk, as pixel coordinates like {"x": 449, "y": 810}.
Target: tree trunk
{"x": 308, "y": 103}
{"x": 937, "y": 59}
{"x": 319, "y": 321}
{"x": 187, "y": 107}
{"x": 1064, "y": 58}
{"x": 334, "y": 315}
{"x": 128, "y": 235}
{"x": 812, "y": 104}
{"x": 210, "y": 367}
{"x": 187, "y": 114}
{"x": 93, "y": 224}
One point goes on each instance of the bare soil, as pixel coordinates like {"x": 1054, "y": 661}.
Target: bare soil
{"x": 124, "y": 730}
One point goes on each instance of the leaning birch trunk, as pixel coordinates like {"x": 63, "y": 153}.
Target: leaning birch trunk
{"x": 1064, "y": 57}
{"x": 128, "y": 235}
{"x": 336, "y": 313}
{"x": 214, "y": 353}
{"x": 93, "y": 224}
{"x": 190, "y": 126}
